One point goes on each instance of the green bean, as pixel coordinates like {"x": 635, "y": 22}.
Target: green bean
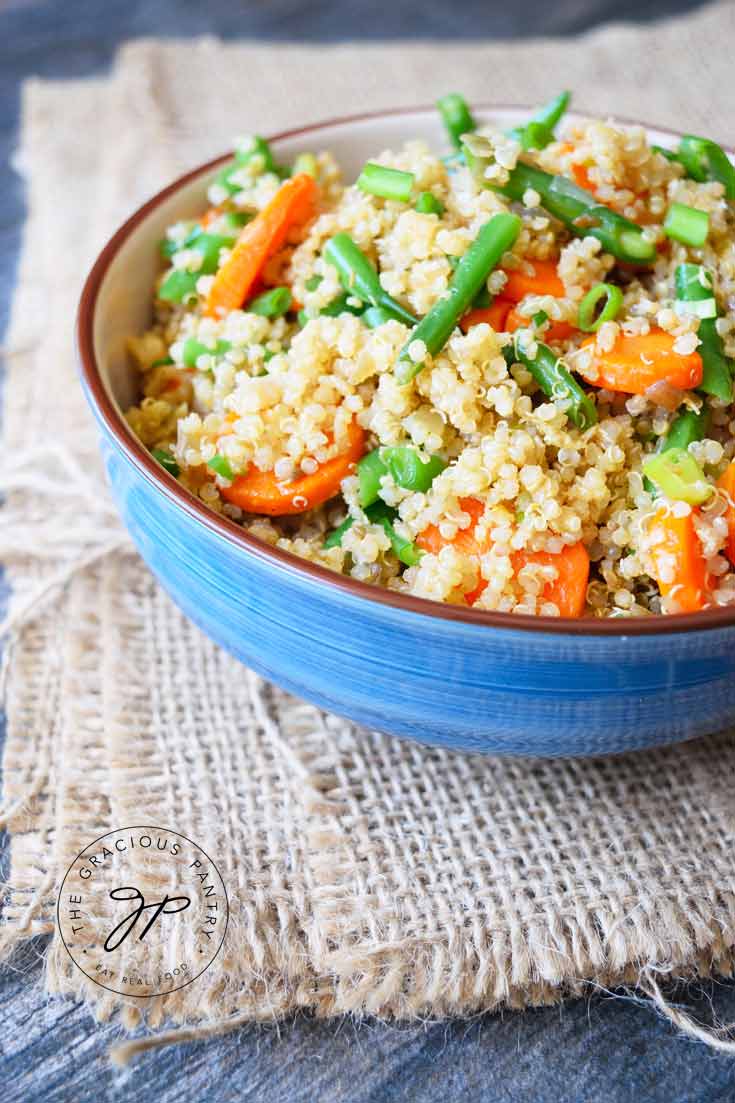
{"x": 179, "y": 286}
{"x": 555, "y": 380}
{"x": 271, "y": 304}
{"x": 539, "y": 130}
{"x": 403, "y": 463}
{"x": 376, "y": 316}
{"x": 258, "y": 147}
{"x": 687, "y": 427}
{"x": 193, "y": 349}
{"x": 380, "y": 514}
{"x": 166, "y": 461}
{"x": 427, "y": 203}
{"x": 359, "y": 278}
{"x": 695, "y": 295}
{"x": 704, "y": 160}
{"x": 456, "y": 116}
{"x": 494, "y": 239}
{"x": 385, "y": 182}
{"x": 577, "y": 209}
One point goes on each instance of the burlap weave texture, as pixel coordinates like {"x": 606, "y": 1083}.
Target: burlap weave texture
{"x": 364, "y": 873}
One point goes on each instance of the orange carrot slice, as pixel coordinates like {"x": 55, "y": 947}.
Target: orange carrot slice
{"x": 557, "y": 331}
{"x": 568, "y": 591}
{"x": 635, "y": 363}
{"x": 494, "y": 315}
{"x": 726, "y": 482}
{"x": 543, "y": 280}
{"x": 293, "y": 204}
{"x": 261, "y": 492}
{"x": 679, "y": 567}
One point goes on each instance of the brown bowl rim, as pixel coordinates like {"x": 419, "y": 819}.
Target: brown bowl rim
{"x": 234, "y": 534}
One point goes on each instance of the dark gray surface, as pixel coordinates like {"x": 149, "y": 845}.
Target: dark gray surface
{"x": 607, "y": 1050}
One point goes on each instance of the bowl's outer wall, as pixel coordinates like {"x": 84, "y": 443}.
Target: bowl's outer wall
{"x": 461, "y": 685}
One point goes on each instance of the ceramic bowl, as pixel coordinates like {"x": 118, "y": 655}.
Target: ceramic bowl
{"x": 458, "y": 677}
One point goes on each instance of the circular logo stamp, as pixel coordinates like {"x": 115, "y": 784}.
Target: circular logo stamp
{"x": 142, "y": 911}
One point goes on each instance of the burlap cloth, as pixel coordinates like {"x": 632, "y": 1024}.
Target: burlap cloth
{"x": 364, "y": 874}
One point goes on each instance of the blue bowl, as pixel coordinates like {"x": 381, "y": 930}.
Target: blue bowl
{"x": 457, "y": 677}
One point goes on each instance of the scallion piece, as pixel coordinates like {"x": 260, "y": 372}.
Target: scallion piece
{"x": 456, "y": 117}
{"x": 687, "y": 225}
{"x": 385, "y": 182}
{"x": 429, "y": 204}
{"x": 678, "y": 475}
{"x": 166, "y": 461}
{"x": 271, "y": 304}
{"x": 193, "y": 349}
{"x": 589, "y": 320}
{"x": 221, "y": 465}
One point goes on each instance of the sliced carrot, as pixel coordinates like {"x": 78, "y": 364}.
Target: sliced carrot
{"x": 293, "y": 204}
{"x": 568, "y": 591}
{"x": 261, "y": 492}
{"x": 581, "y": 178}
{"x": 494, "y": 315}
{"x": 679, "y": 567}
{"x": 557, "y": 331}
{"x": 543, "y": 280}
{"x": 726, "y": 482}
{"x": 635, "y": 363}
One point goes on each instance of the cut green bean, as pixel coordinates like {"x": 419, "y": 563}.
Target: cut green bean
{"x": 493, "y": 240}
{"x": 403, "y": 463}
{"x": 456, "y": 117}
{"x": 193, "y": 349}
{"x": 678, "y": 475}
{"x": 578, "y": 209}
{"x": 589, "y": 320}
{"x": 359, "y": 278}
{"x": 179, "y": 286}
{"x": 539, "y": 130}
{"x": 687, "y": 225}
{"x": 429, "y": 204}
{"x": 385, "y": 182}
{"x": 221, "y": 465}
{"x": 704, "y": 160}
{"x": 554, "y": 379}
{"x": 375, "y": 316}
{"x": 256, "y": 148}
{"x": 271, "y": 304}
{"x": 163, "y": 362}
{"x": 687, "y": 427}
{"x": 166, "y": 461}
{"x": 695, "y": 295}
{"x": 380, "y": 514}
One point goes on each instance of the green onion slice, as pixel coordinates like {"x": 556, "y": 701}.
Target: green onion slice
{"x": 678, "y": 475}
{"x": 221, "y": 465}
{"x": 589, "y": 320}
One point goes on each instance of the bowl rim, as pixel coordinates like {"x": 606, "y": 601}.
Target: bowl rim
{"x": 114, "y": 423}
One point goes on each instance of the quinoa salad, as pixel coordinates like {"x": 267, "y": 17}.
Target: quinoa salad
{"x": 496, "y": 374}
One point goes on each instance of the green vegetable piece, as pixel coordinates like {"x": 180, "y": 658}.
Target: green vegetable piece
{"x": 669, "y": 154}
{"x": 237, "y": 219}
{"x": 684, "y": 429}
{"x": 380, "y": 514}
{"x": 359, "y": 278}
{"x": 588, "y": 319}
{"x": 385, "y": 182}
{"x": 494, "y": 239}
{"x": 306, "y": 163}
{"x": 169, "y": 246}
{"x": 271, "y": 304}
{"x": 166, "y": 461}
{"x": 687, "y": 225}
{"x": 209, "y": 245}
{"x": 221, "y": 465}
{"x": 555, "y": 380}
{"x": 695, "y": 294}
{"x": 312, "y": 283}
{"x": 256, "y": 147}
{"x": 705, "y": 160}
{"x": 456, "y": 117}
{"x": 578, "y": 209}
{"x": 193, "y": 349}
{"x": 179, "y": 286}
{"x": 334, "y": 540}
{"x": 678, "y": 475}
{"x": 409, "y": 470}
{"x": 539, "y": 130}
{"x": 429, "y": 204}
{"x": 165, "y": 360}
{"x": 375, "y": 316}
{"x": 370, "y": 470}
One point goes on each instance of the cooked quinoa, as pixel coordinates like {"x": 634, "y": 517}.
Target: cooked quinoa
{"x": 272, "y": 398}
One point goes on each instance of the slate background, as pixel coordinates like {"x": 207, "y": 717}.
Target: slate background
{"x": 608, "y": 1049}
